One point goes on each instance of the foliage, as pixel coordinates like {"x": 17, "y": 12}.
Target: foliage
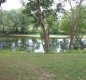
{"x": 14, "y": 21}
{"x": 49, "y": 14}
{"x": 67, "y": 21}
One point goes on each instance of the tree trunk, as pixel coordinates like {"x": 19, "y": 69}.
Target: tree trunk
{"x": 74, "y": 25}
{"x": 3, "y": 29}
{"x": 45, "y": 34}
{"x": 79, "y": 40}
{"x": 71, "y": 40}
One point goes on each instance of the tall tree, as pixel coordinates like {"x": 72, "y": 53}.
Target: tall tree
{"x": 41, "y": 12}
{"x": 44, "y": 30}
{"x": 75, "y": 18}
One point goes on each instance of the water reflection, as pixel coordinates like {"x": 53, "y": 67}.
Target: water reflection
{"x": 21, "y": 44}
{"x": 32, "y": 44}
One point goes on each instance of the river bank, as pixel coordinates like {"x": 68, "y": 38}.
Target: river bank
{"x": 34, "y": 35}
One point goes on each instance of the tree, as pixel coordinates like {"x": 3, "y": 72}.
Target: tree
{"x": 13, "y": 21}
{"x": 67, "y": 20}
{"x": 2, "y": 1}
{"x": 7, "y": 22}
{"x": 43, "y": 15}
{"x": 75, "y": 15}
{"x": 74, "y": 24}
{"x": 23, "y": 23}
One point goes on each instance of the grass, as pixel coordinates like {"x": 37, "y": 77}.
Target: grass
{"x": 25, "y": 66}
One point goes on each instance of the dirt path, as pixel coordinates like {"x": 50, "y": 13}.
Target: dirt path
{"x": 43, "y": 75}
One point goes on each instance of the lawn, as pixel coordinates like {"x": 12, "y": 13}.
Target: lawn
{"x": 25, "y": 66}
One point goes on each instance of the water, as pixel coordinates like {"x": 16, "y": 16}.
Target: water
{"x": 32, "y": 44}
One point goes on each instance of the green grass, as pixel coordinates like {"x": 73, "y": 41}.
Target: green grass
{"x": 25, "y": 66}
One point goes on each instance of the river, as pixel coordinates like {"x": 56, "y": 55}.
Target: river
{"x": 33, "y": 45}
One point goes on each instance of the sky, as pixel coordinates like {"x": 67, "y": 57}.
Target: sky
{"x": 11, "y": 4}
{"x": 15, "y": 4}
